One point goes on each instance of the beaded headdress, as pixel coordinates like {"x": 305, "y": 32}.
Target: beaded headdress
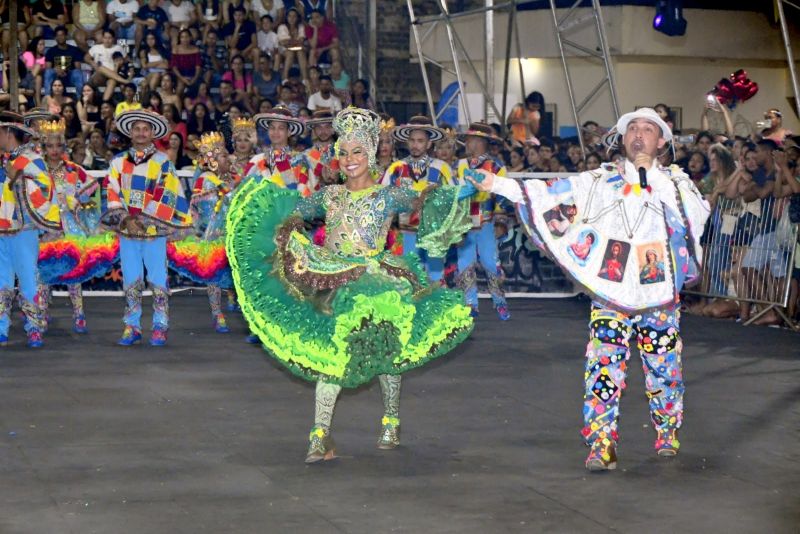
{"x": 361, "y": 126}
{"x": 210, "y": 148}
{"x": 47, "y": 128}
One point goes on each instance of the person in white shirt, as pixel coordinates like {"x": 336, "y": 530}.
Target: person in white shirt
{"x": 120, "y": 15}
{"x": 324, "y": 98}
{"x": 267, "y": 40}
{"x": 181, "y": 14}
{"x": 273, "y": 8}
{"x": 102, "y": 55}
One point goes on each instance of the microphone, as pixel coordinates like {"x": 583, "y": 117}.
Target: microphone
{"x": 642, "y": 178}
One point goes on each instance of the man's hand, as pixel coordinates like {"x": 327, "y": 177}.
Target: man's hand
{"x": 642, "y": 160}
{"x": 484, "y": 184}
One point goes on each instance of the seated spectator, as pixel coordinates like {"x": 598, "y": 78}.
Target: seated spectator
{"x": 340, "y": 78}
{"x": 214, "y": 59}
{"x": 123, "y": 73}
{"x": 325, "y": 99}
{"x": 63, "y": 61}
{"x": 176, "y": 126}
{"x": 128, "y": 100}
{"x": 229, "y": 6}
{"x": 35, "y": 63}
{"x": 154, "y": 59}
{"x": 287, "y": 100}
{"x": 307, "y": 7}
{"x": 593, "y": 161}
{"x": 120, "y": 15}
{"x": 359, "y": 95}
{"x": 185, "y": 62}
{"x": 5, "y": 97}
{"x": 295, "y": 83}
{"x": 312, "y": 83}
{"x": 70, "y": 115}
{"x": 532, "y": 159}
{"x": 199, "y": 96}
{"x": 267, "y": 40}
{"x": 174, "y": 151}
{"x": 89, "y": 108}
{"x": 23, "y": 22}
{"x": 209, "y": 14}
{"x": 240, "y": 36}
{"x": 265, "y": 80}
{"x": 274, "y": 8}
{"x": 54, "y": 102}
{"x": 546, "y": 153}
{"x": 181, "y": 16}
{"x": 265, "y": 106}
{"x": 77, "y": 151}
{"x": 291, "y": 37}
{"x": 323, "y": 40}
{"x": 516, "y": 160}
{"x": 97, "y": 155}
{"x": 101, "y": 58}
{"x": 168, "y": 93}
{"x": 153, "y": 102}
{"x": 107, "y": 116}
{"x": 199, "y": 120}
{"x": 592, "y": 136}
{"x": 190, "y": 149}
{"x": 152, "y": 18}
{"x": 89, "y": 18}
{"x": 241, "y": 80}
{"x": 226, "y": 99}
{"x": 46, "y": 16}
{"x": 575, "y": 157}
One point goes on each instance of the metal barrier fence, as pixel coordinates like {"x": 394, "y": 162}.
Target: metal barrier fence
{"x": 749, "y": 251}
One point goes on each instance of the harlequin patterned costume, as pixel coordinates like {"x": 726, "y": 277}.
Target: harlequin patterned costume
{"x": 342, "y": 313}
{"x": 315, "y": 164}
{"x": 481, "y": 244}
{"x": 627, "y": 224}
{"x": 142, "y": 187}
{"x": 26, "y": 208}
{"x": 201, "y": 257}
{"x": 77, "y": 196}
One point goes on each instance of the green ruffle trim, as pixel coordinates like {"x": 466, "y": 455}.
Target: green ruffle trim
{"x": 378, "y": 324}
{"x": 443, "y": 221}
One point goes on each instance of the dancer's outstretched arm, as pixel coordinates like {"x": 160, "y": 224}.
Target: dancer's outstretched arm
{"x": 491, "y": 183}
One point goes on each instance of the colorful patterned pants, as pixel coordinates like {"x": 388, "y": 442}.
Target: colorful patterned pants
{"x": 19, "y": 256}
{"x": 135, "y": 256}
{"x": 326, "y": 395}
{"x": 657, "y": 335}
{"x": 480, "y": 245}
{"x": 434, "y": 266}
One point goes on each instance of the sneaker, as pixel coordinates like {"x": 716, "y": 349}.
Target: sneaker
{"x": 602, "y": 456}
{"x": 389, "y": 437}
{"x": 130, "y": 336}
{"x": 159, "y": 337}
{"x": 79, "y": 325}
{"x": 503, "y": 313}
{"x": 667, "y": 443}
{"x": 474, "y": 312}
{"x": 35, "y": 340}
{"x": 220, "y": 326}
{"x": 320, "y": 446}
{"x": 252, "y": 339}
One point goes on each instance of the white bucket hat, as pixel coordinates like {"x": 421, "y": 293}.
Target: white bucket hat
{"x": 647, "y": 114}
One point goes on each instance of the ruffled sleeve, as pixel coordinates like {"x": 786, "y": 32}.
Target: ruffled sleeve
{"x": 444, "y": 219}
{"x": 313, "y": 207}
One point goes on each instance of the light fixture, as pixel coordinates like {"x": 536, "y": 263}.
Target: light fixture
{"x": 669, "y": 17}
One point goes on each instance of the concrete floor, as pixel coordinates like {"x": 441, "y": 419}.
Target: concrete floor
{"x": 208, "y": 435}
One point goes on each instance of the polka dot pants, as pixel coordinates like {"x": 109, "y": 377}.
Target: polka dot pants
{"x": 657, "y": 335}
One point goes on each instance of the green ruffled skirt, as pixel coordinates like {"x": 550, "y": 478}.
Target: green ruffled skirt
{"x": 345, "y": 322}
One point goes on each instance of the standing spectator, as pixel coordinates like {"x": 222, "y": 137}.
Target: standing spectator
{"x": 57, "y": 98}
{"x": 309, "y": 6}
{"x": 151, "y": 17}
{"x": 128, "y": 102}
{"x": 776, "y": 132}
{"x": 46, "y": 16}
{"x": 291, "y": 36}
{"x": 200, "y": 120}
{"x": 267, "y": 39}
{"x": 120, "y": 14}
{"x": 274, "y": 8}
{"x": 340, "y": 78}
{"x": 323, "y": 40}
{"x": 593, "y": 161}
{"x": 240, "y": 35}
{"x": 325, "y": 99}
{"x": 181, "y": 16}
{"x": 525, "y": 120}
{"x": 241, "y": 80}
{"x": 716, "y": 117}
{"x": 63, "y": 61}
{"x": 35, "y": 62}
{"x": 153, "y": 58}
{"x": 214, "y": 57}
{"x": 186, "y": 62}
{"x": 89, "y": 18}
{"x": 101, "y": 56}
{"x": 704, "y": 142}
{"x": 265, "y": 80}
{"x": 89, "y": 108}
{"x": 359, "y": 95}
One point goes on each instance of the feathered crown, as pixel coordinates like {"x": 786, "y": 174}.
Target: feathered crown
{"x": 52, "y": 127}
{"x": 243, "y": 124}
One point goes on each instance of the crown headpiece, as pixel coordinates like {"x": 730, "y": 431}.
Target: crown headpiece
{"x": 46, "y": 127}
{"x": 210, "y": 147}
{"x": 360, "y": 125}
{"x": 243, "y": 124}
{"x": 388, "y": 125}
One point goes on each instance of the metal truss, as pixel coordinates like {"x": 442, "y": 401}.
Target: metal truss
{"x": 787, "y": 42}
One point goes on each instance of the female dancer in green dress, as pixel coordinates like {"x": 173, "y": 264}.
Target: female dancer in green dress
{"x": 342, "y": 313}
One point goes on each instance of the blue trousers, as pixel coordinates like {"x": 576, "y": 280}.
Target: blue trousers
{"x": 19, "y": 256}
{"x": 136, "y": 255}
{"x": 75, "y": 77}
{"x": 434, "y": 266}
{"x": 480, "y": 245}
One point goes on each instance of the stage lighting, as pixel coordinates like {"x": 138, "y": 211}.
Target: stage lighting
{"x": 669, "y": 17}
